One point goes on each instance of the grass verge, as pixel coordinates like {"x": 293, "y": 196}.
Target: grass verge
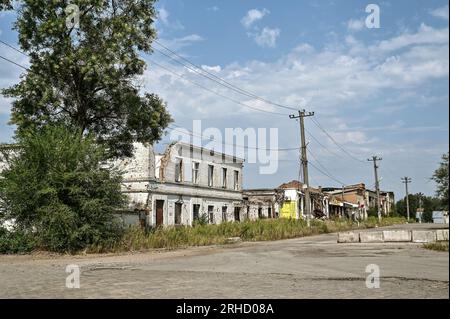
{"x": 437, "y": 246}
{"x": 260, "y": 230}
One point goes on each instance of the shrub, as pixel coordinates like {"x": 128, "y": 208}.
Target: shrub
{"x": 15, "y": 242}
{"x": 57, "y": 190}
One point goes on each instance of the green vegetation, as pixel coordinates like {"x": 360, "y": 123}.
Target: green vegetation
{"x": 437, "y": 246}
{"x": 428, "y": 203}
{"x": 59, "y": 193}
{"x": 86, "y": 75}
{"x": 15, "y": 242}
{"x": 259, "y": 230}
{"x": 440, "y": 176}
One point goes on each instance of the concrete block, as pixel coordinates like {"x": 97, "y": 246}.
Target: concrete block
{"x": 371, "y": 237}
{"x": 423, "y": 236}
{"x": 442, "y": 234}
{"x": 396, "y": 235}
{"x": 348, "y": 237}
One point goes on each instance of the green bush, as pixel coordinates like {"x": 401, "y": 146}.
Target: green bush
{"x": 15, "y": 242}
{"x": 57, "y": 190}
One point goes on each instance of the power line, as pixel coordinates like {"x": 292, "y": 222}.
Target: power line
{"x": 171, "y": 71}
{"x": 215, "y": 92}
{"x": 324, "y": 168}
{"x": 236, "y": 145}
{"x": 216, "y": 78}
{"x": 12, "y": 47}
{"x": 318, "y": 142}
{"x": 324, "y": 173}
{"x": 335, "y": 142}
{"x": 10, "y": 61}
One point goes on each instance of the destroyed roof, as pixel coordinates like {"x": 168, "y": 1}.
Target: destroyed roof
{"x": 294, "y": 184}
{"x": 291, "y": 185}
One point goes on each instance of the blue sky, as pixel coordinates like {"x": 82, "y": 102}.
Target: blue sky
{"x": 376, "y": 91}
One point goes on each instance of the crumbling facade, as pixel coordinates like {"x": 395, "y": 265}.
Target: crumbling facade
{"x": 294, "y": 201}
{"x": 262, "y": 203}
{"x": 181, "y": 185}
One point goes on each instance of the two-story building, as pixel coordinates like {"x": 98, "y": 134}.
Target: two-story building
{"x": 183, "y": 184}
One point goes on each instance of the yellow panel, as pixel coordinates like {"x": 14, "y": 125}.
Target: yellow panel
{"x": 288, "y": 209}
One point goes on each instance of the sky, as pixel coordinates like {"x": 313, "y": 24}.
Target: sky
{"x": 376, "y": 91}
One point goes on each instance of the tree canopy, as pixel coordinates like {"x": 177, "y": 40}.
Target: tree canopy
{"x": 84, "y": 73}
{"x": 441, "y": 178}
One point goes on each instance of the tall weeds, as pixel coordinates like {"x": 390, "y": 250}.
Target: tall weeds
{"x": 260, "y": 230}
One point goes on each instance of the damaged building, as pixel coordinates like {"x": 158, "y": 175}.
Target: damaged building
{"x": 181, "y": 185}
{"x": 294, "y": 201}
{"x": 262, "y": 203}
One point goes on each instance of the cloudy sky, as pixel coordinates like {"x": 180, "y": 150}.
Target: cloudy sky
{"x": 376, "y": 91}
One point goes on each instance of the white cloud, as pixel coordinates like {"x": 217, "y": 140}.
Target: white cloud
{"x": 252, "y": 16}
{"x": 355, "y": 25}
{"x": 179, "y": 43}
{"x": 267, "y": 37}
{"x": 213, "y": 8}
{"x": 425, "y": 35}
{"x": 163, "y": 15}
{"x": 441, "y": 12}
{"x": 215, "y": 68}
{"x": 330, "y": 81}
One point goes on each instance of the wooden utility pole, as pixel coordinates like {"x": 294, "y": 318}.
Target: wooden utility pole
{"x": 374, "y": 159}
{"x": 406, "y": 180}
{"x": 304, "y": 161}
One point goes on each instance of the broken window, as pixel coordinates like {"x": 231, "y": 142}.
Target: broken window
{"x": 224, "y": 213}
{"x": 178, "y": 170}
{"x": 196, "y": 211}
{"x": 237, "y": 211}
{"x": 178, "y": 207}
{"x": 210, "y": 175}
{"x": 211, "y": 214}
{"x": 259, "y": 212}
{"x": 236, "y": 180}
{"x": 224, "y": 178}
{"x": 195, "y": 172}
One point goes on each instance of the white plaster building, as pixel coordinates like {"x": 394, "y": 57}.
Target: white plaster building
{"x": 182, "y": 184}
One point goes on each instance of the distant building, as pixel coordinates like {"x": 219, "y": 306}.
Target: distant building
{"x": 440, "y": 217}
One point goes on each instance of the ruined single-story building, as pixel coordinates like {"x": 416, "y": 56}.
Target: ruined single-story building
{"x": 262, "y": 203}
{"x": 293, "y": 205}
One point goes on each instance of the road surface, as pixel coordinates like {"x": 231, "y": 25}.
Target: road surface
{"x": 310, "y": 267}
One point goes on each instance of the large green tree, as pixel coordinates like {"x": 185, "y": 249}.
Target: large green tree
{"x": 57, "y": 190}
{"x": 441, "y": 178}
{"x": 85, "y": 67}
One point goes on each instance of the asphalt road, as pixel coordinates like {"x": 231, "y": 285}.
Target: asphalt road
{"x": 311, "y": 267}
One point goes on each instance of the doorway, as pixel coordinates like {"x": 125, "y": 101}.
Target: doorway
{"x": 159, "y": 212}
{"x": 178, "y": 207}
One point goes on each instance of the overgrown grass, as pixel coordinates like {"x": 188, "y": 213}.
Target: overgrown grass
{"x": 260, "y": 230}
{"x": 437, "y": 246}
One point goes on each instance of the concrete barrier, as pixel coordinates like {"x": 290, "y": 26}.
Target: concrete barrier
{"x": 348, "y": 237}
{"x": 442, "y": 234}
{"x": 371, "y": 237}
{"x": 396, "y": 235}
{"x": 423, "y": 236}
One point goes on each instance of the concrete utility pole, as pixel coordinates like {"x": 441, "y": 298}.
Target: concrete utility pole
{"x": 304, "y": 161}
{"x": 406, "y": 180}
{"x": 374, "y": 159}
